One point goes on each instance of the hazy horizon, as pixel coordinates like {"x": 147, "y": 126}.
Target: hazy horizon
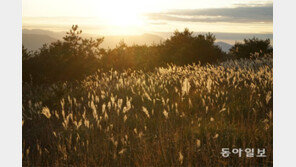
{"x": 133, "y": 18}
{"x": 229, "y": 38}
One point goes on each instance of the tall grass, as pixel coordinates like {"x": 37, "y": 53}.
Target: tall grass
{"x": 175, "y": 116}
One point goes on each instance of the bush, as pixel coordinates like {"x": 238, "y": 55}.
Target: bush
{"x": 251, "y": 47}
{"x": 74, "y": 58}
{"x": 185, "y": 48}
{"x": 67, "y": 60}
{"x": 181, "y": 49}
{"x": 134, "y": 57}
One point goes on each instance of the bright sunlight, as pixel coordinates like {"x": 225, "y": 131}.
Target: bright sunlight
{"x": 121, "y": 14}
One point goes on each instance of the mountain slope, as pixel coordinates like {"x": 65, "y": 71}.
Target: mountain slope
{"x": 224, "y": 46}
{"x": 35, "y": 41}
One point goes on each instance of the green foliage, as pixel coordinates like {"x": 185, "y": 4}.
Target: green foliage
{"x": 131, "y": 57}
{"x": 25, "y": 54}
{"x": 185, "y": 48}
{"x": 251, "y": 47}
{"x": 67, "y": 60}
{"x": 74, "y": 57}
{"x": 172, "y": 116}
{"x": 181, "y": 49}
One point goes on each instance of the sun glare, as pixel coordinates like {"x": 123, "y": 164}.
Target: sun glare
{"x": 121, "y": 13}
{"x": 124, "y": 18}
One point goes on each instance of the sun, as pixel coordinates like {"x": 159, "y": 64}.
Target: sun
{"x": 124, "y": 18}
{"x": 121, "y": 13}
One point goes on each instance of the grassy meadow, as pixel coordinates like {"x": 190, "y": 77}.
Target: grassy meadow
{"x": 172, "y": 116}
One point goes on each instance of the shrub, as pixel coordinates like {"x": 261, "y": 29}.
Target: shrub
{"x": 251, "y": 47}
{"x": 74, "y": 57}
{"x": 181, "y": 49}
{"x": 67, "y": 60}
{"x": 185, "y": 48}
{"x": 134, "y": 57}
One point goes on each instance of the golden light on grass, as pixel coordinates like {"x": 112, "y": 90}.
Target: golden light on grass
{"x": 181, "y": 157}
{"x": 46, "y": 112}
{"x": 198, "y": 143}
{"x": 146, "y": 128}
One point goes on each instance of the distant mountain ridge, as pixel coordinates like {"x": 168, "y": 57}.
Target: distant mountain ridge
{"x": 224, "y": 46}
{"x": 57, "y": 35}
{"x": 35, "y": 38}
{"x": 35, "y": 41}
{"x": 149, "y": 39}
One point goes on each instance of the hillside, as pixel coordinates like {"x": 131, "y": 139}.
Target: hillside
{"x": 34, "y": 39}
{"x": 112, "y": 41}
{"x": 224, "y": 46}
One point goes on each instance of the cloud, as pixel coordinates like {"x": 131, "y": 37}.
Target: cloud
{"x": 158, "y": 23}
{"x": 239, "y": 14}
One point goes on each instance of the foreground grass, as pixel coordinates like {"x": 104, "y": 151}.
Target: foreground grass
{"x": 171, "y": 117}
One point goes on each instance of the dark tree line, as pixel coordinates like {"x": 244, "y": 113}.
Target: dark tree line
{"x": 67, "y": 60}
{"x": 74, "y": 57}
{"x": 251, "y": 46}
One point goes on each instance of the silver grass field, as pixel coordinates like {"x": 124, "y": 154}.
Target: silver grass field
{"x": 174, "y": 116}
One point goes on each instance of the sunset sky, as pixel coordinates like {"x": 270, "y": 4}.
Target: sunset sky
{"x": 118, "y": 17}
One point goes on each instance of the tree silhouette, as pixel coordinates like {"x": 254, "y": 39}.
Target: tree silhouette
{"x": 75, "y": 57}
{"x": 185, "y": 48}
{"x": 67, "y": 60}
{"x": 250, "y": 47}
